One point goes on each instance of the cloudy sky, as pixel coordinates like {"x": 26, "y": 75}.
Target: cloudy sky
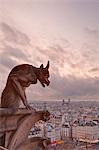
{"x": 65, "y": 32}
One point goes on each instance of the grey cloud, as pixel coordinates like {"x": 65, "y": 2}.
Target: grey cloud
{"x": 15, "y": 52}
{"x": 59, "y": 55}
{"x": 90, "y": 47}
{"x": 13, "y": 35}
{"x": 92, "y": 33}
{"x": 11, "y": 56}
{"x": 57, "y": 48}
{"x": 7, "y": 61}
{"x": 52, "y": 50}
{"x": 66, "y": 42}
{"x": 90, "y": 53}
{"x": 55, "y": 53}
{"x": 74, "y": 87}
{"x": 96, "y": 69}
{"x": 13, "y": 46}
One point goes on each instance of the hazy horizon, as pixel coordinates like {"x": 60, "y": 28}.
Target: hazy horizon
{"x": 65, "y": 32}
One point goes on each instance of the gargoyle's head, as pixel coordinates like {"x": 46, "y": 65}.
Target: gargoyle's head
{"x": 44, "y": 75}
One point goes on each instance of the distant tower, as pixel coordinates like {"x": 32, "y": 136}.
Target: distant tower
{"x": 69, "y": 100}
{"x": 68, "y": 104}
{"x": 45, "y": 107}
{"x": 63, "y": 102}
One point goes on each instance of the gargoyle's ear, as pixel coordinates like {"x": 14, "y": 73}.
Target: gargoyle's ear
{"x": 41, "y": 67}
{"x": 47, "y": 65}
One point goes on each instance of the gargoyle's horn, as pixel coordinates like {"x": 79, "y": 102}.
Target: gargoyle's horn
{"x": 47, "y": 65}
{"x": 41, "y": 67}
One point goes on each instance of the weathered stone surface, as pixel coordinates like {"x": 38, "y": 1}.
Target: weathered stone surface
{"x": 9, "y": 118}
{"x": 16, "y": 124}
{"x": 20, "y": 111}
{"x": 30, "y": 144}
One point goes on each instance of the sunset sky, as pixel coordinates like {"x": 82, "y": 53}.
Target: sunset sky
{"x": 65, "y": 32}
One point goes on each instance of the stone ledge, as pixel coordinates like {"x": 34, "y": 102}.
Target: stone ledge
{"x": 19, "y": 111}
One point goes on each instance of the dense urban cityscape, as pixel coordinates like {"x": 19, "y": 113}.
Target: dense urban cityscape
{"x": 72, "y": 125}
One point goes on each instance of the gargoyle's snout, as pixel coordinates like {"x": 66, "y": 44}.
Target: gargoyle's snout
{"x": 48, "y": 83}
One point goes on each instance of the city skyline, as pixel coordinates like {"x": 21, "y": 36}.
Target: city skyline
{"x": 65, "y": 32}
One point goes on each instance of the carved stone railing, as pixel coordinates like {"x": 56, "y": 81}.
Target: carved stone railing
{"x": 16, "y": 124}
